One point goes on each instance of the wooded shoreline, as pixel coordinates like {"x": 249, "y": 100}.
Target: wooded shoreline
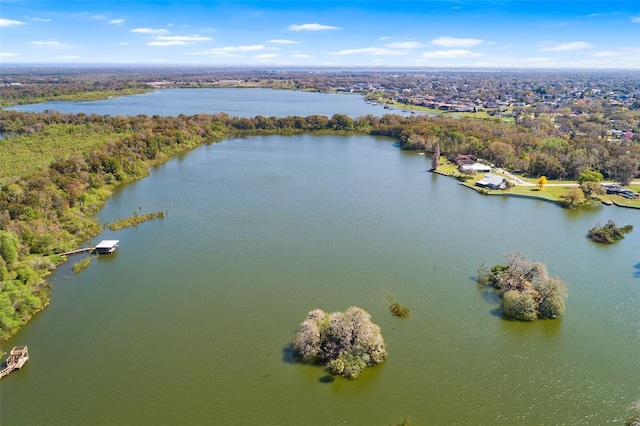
{"x": 57, "y": 170}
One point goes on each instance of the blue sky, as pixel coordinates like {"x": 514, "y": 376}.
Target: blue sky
{"x": 393, "y": 33}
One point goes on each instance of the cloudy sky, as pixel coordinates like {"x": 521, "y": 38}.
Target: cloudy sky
{"x": 393, "y": 33}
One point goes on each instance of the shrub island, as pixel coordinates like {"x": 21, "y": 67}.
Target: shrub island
{"x": 608, "y": 233}
{"x": 527, "y": 292}
{"x": 344, "y": 342}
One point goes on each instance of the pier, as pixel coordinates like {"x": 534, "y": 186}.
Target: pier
{"x": 78, "y": 251}
{"x": 18, "y": 356}
{"x": 103, "y": 247}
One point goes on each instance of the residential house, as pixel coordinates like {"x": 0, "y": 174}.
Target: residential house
{"x": 491, "y": 181}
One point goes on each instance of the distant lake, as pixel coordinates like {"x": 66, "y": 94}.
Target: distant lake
{"x": 189, "y": 321}
{"x": 245, "y": 102}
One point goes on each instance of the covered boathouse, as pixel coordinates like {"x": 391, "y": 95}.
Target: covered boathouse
{"x": 106, "y": 246}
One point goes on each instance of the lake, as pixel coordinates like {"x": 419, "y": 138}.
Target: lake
{"x": 189, "y": 322}
{"x": 246, "y": 102}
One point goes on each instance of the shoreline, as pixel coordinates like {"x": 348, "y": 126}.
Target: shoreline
{"x": 503, "y": 193}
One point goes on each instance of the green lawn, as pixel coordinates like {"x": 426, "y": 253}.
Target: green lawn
{"x": 551, "y": 191}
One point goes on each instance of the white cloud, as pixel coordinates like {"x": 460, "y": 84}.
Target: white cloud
{"x": 116, "y": 21}
{"x": 450, "y": 54}
{"x": 52, "y": 43}
{"x": 629, "y": 55}
{"x": 177, "y": 40}
{"x": 312, "y": 27}
{"x": 124, "y": 43}
{"x": 8, "y": 54}
{"x": 370, "y": 50}
{"x": 165, "y": 43}
{"x": 576, "y": 45}
{"x": 41, "y": 19}
{"x": 9, "y": 22}
{"x": 266, "y": 56}
{"x": 404, "y": 44}
{"x": 635, "y": 19}
{"x": 186, "y": 39}
{"x": 383, "y": 38}
{"x": 149, "y": 31}
{"x": 281, "y": 41}
{"x": 456, "y": 42}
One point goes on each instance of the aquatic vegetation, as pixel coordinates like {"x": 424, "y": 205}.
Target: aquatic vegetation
{"x": 397, "y": 309}
{"x": 79, "y": 266}
{"x": 344, "y": 342}
{"x": 134, "y": 220}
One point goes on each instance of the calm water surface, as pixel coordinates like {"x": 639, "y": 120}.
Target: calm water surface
{"x": 235, "y": 102}
{"x": 188, "y": 323}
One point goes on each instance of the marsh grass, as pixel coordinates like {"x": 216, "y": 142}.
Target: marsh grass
{"x": 397, "y": 309}
{"x": 134, "y": 220}
{"x": 79, "y": 266}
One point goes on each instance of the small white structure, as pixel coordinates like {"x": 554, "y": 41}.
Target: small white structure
{"x": 475, "y": 168}
{"x": 107, "y": 246}
{"x": 493, "y": 182}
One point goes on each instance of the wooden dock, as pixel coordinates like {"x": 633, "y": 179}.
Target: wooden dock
{"x": 17, "y": 358}
{"x": 78, "y": 251}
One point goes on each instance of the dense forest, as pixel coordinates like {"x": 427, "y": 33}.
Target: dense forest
{"x": 56, "y": 169}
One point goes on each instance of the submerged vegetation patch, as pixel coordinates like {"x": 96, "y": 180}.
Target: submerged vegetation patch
{"x": 397, "y": 309}
{"x": 134, "y": 220}
{"x": 79, "y": 266}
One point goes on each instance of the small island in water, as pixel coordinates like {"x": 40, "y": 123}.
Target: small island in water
{"x": 344, "y": 342}
{"x": 608, "y": 233}
{"x": 527, "y": 292}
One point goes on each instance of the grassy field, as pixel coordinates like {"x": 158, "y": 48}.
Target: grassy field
{"x": 24, "y": 155}
{"x": 479, "y": 114}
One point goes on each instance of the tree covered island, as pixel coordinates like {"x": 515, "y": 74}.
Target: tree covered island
{"x": 344, "y": 342}
{"x": 608, "y": 233}
{"x": 526, "y": 291}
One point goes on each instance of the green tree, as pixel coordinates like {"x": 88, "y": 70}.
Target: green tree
{"x": 590, "y": 176}
{"x": 8, "y": 247}
{"x": 519, "y": 305}
{"x": 572, "y": 198}
{"x": 551, "y": 298}
{"x": 341, "y": 122}
{"x": 592, "y": 189}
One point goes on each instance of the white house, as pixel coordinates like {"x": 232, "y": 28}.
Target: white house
{"x": 475, "y": 168}
{"x": 493, "y": 182}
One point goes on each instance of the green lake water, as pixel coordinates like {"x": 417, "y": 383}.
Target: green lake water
{"x": 189, "y": 322}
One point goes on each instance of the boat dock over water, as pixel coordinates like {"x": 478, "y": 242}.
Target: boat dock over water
{"x": 103, "y": 247}
{"x": 106, "y": 246}
{"x": 18, "y": 356}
